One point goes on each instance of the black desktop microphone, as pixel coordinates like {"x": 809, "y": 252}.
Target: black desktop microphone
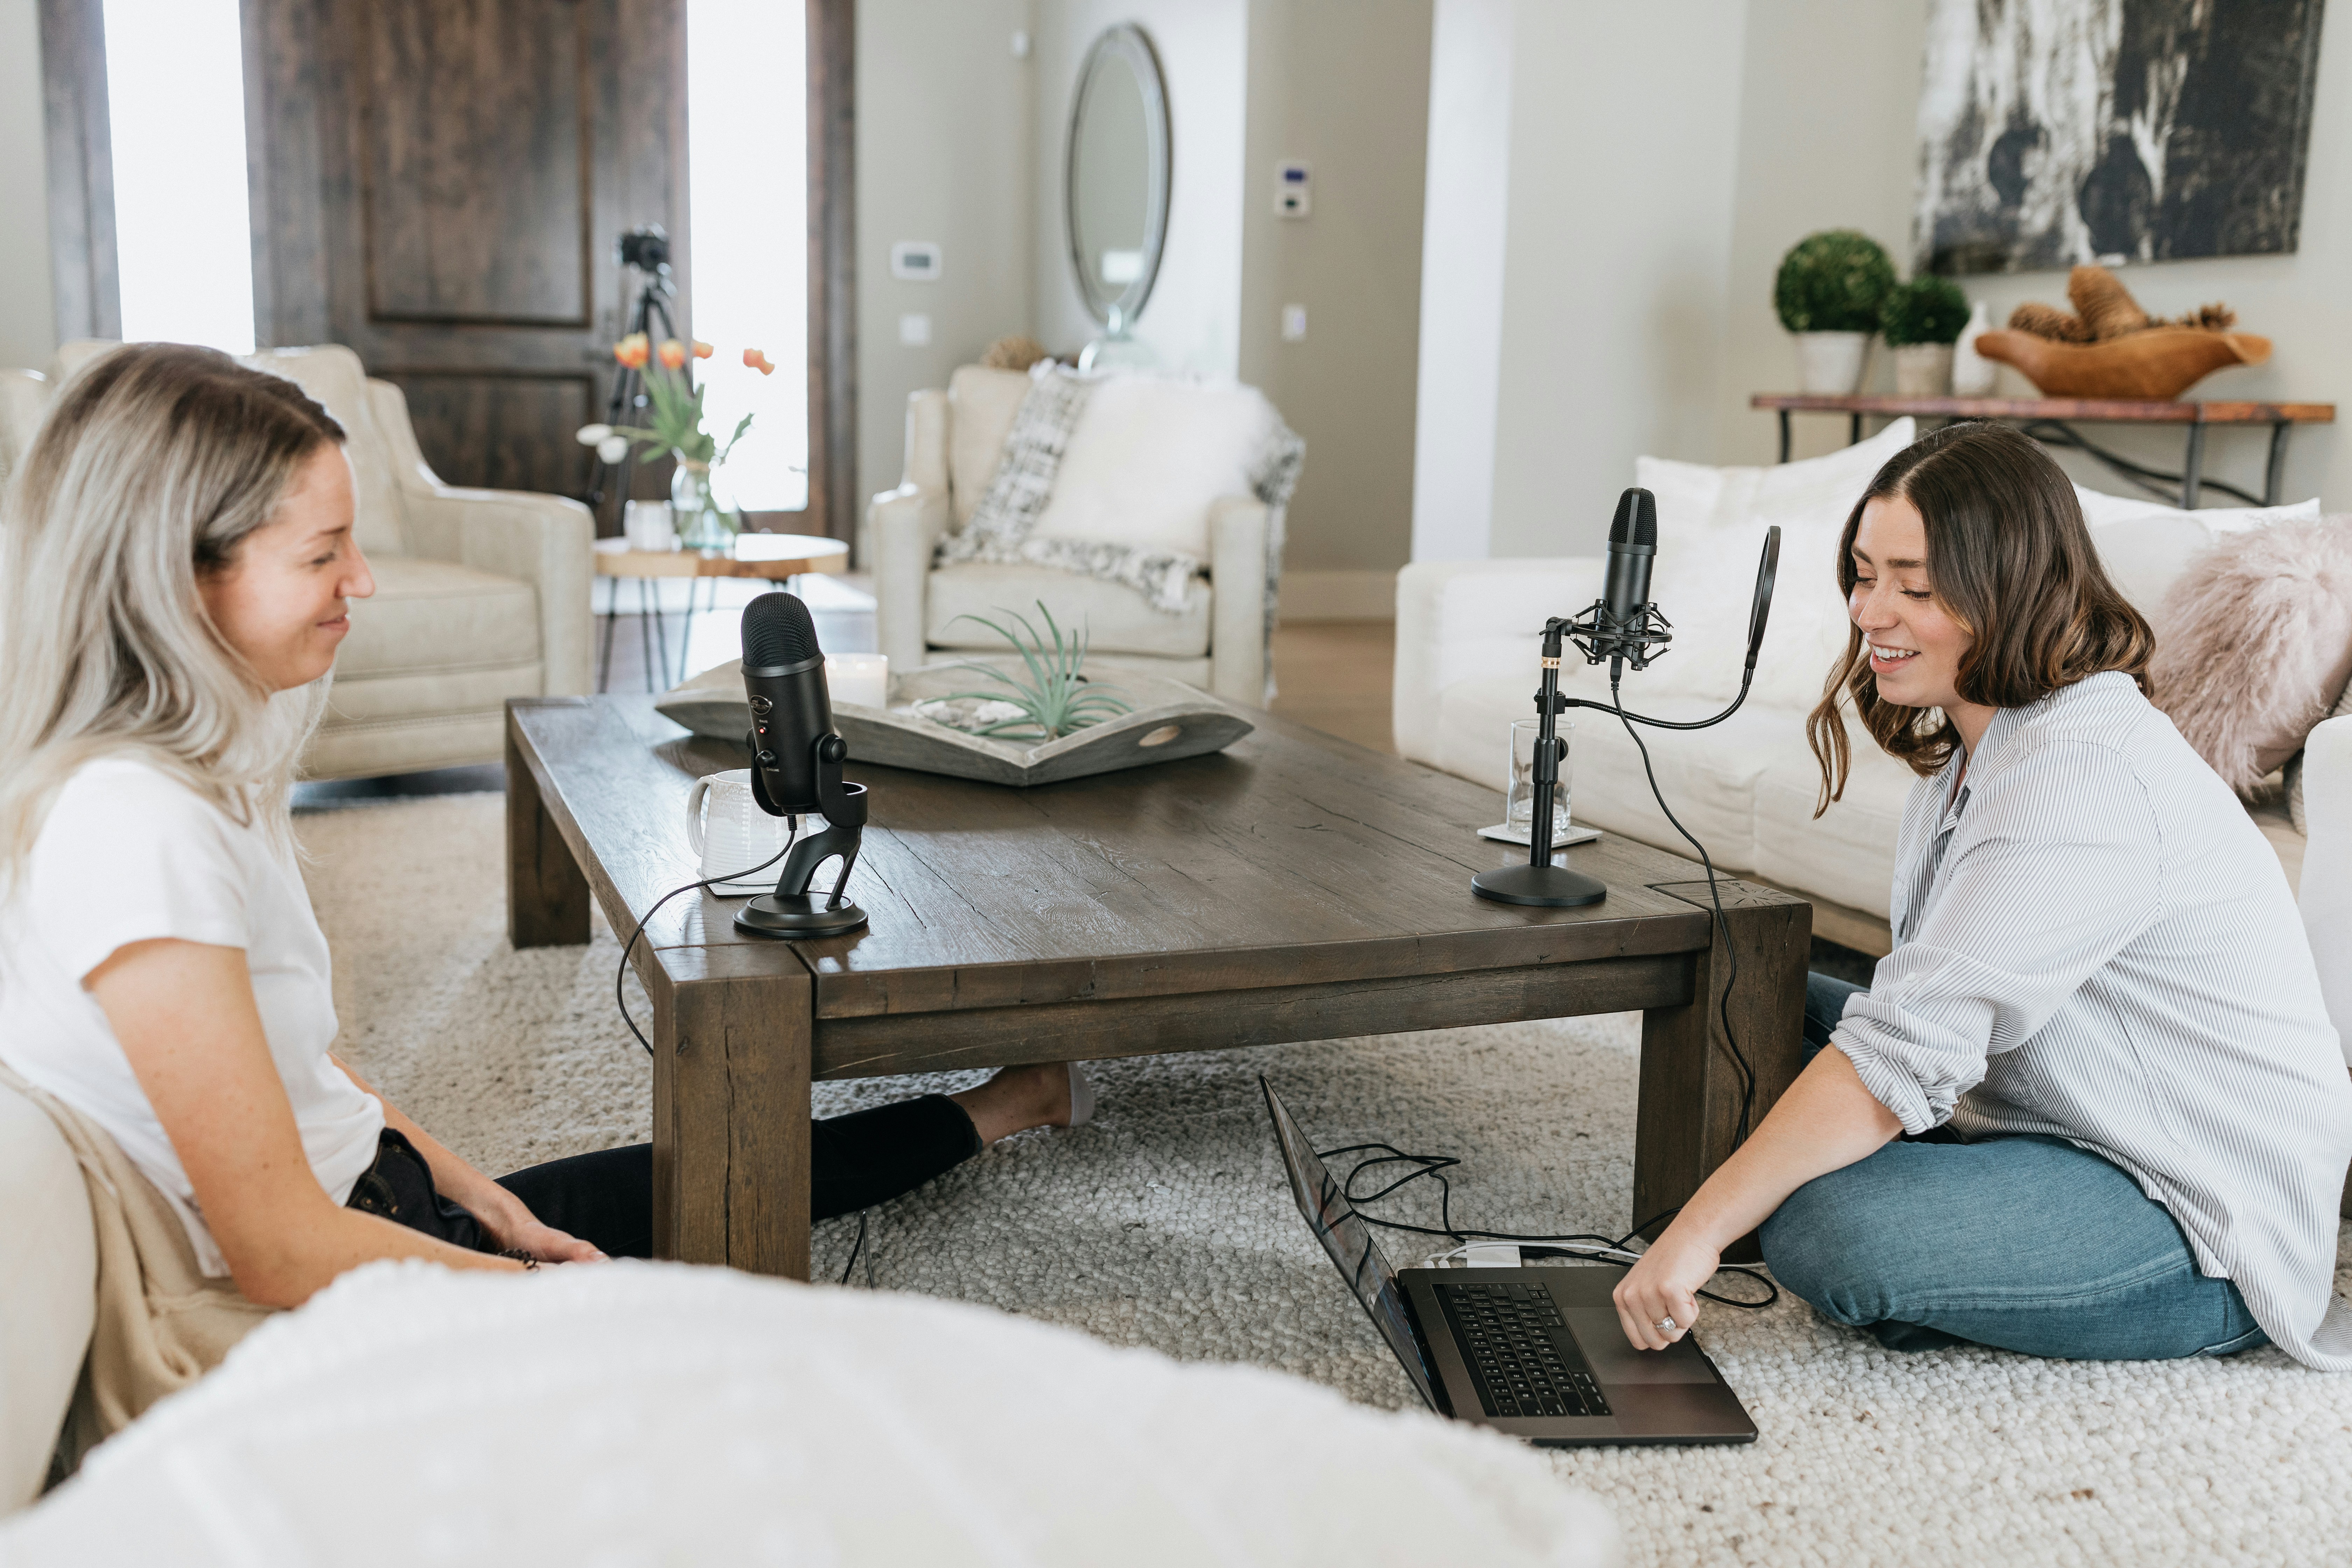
{"x": 796, "y": 759}
{"x": 784, "y": 675}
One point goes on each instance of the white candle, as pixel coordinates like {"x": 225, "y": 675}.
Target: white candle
{"x": 862, "y": 678}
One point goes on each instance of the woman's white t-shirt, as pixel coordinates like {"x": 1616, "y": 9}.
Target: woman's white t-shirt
{"x": 128, "y": 854}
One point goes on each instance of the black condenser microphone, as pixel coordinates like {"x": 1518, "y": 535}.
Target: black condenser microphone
{"x": 796, "y": 758}
{"x": 784, "y": 675}
{"x": 1625, "y": 590}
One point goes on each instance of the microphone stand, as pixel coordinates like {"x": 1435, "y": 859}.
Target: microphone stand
{"x": 1600, "y": 634}
{"x": 791, "y": 911}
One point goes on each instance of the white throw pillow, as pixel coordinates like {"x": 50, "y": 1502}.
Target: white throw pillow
{"x": 2146, "y": 545}
{"x": 1148, "y": 456}
{"x": 2100, "y": 508}
{"x": 1711, "y": 530}
{"x": 654, "y": 1412}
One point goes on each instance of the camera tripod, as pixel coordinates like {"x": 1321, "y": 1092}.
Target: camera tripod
{"x": 647, "y": 252}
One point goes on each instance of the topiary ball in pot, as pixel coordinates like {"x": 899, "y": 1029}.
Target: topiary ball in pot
{"x": 1924, "y": 318}
{"x": 1830, "y": 290}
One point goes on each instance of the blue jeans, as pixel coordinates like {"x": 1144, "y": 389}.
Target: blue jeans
{"x": 2024, "y": 1243}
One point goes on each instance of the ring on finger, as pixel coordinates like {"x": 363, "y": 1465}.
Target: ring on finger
{"x": 1664, "y": 1325}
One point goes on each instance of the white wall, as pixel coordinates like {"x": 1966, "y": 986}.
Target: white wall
{"x": 1624, "y": 121}
{"x": 1341, "y": 84}
{"x": 1193, "y": 317}
{"x": 1607, "y": 333}
{"x": 1468, "y": 200}
{"x": 945, "y": 152}
{"x": 28, "y": 312}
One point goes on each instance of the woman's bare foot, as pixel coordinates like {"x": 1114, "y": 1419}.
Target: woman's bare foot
{"x": 1018, "y": 1099}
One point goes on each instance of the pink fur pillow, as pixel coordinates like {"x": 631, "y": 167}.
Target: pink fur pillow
{"x": 2254, "y": 645}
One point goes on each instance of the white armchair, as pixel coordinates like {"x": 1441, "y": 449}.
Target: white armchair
{"x": 480, "y": 596}
{"x": 954, "y": 439}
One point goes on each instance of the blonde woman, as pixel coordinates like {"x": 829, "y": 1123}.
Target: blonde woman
{"x": 175, "y": 567}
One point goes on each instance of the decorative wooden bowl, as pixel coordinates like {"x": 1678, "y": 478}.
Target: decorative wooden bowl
{"x": 1170, "y": 720}
{"x": 2158, "y": 365}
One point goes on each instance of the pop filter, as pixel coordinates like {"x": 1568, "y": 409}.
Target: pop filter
{"x": 1767, "y": 570}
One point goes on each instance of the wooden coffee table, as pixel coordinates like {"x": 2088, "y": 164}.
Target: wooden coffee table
{"x": 1294, "y": 887}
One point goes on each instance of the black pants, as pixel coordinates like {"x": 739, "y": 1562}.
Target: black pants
{"x": 607, "y": 1198}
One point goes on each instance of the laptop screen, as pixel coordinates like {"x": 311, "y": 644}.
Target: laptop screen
{"x": 1349, "y": 1242}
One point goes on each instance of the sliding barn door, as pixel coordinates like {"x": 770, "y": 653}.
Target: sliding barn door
{"x": 440, "y": 184}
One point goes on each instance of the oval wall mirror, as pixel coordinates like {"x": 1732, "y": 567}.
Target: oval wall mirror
{"x": 1117, "y": 178}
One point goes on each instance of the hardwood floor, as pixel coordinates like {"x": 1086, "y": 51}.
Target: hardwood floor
{"x": 1334, "y": 675}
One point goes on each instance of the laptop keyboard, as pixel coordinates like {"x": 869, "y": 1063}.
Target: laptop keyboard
{"x": 1521, "y": 1355}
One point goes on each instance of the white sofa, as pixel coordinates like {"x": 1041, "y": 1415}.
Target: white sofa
{"x": 954, "y": 439}
{"x": 1466, "y": 669}
{"x": 481, "y": 594}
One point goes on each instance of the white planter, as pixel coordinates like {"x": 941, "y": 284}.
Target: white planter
{"x": 1830, "y": 364}
{"x": 1923, "y": 370}
{"x": 1972, "y": 374}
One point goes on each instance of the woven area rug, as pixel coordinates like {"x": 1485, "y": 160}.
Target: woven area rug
{"x": 1165, "y": 1223}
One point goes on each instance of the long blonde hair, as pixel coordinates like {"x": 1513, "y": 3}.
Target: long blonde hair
{"x": 152, "y": 467}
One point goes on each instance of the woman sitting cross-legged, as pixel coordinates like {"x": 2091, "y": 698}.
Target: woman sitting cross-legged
{"x": 2090, "y": 1105}
{"x": 174, "y": 567}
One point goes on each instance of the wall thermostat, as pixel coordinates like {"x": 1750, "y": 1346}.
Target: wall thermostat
{"x": 1294, "y": 192}
{"x": 915, "y": 260}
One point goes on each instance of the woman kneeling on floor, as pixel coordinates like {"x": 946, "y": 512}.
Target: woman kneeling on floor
{"x": 178, "y": 555}
{"x": 2090, "y": 1105}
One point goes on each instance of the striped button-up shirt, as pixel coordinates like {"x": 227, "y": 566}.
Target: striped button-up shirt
{"x": 2093, "y": 940}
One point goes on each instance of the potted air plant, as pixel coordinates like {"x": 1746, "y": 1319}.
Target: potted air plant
{"x": 1922, "y": 321}
{"x": 1829, "y": 291}
{"x": 676, "y": 405}
{"x": 1056, "y": 699}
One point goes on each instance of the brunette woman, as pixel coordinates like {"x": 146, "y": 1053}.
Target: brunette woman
{"x": 2090, "y": 1105}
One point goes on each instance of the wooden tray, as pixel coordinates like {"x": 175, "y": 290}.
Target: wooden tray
{"x": 1171, "y": 719}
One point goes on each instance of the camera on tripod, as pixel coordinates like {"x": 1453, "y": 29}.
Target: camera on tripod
{"x": 646, "y": 249}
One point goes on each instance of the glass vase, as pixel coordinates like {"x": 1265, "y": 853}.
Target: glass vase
{"x": 702, "y": 524}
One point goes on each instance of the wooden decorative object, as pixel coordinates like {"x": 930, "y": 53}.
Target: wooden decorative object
{"x": 2106, "y": 305}
{"x": 1171, "y": 719}
{"x": 2159, "y": 363}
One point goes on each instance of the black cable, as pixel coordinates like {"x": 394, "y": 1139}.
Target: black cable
{"x": 855, "y": 1248}
{"x": 619, "y": 997}
{"x": 1715, "y": 897}
{"x": 1433, "y": 1165}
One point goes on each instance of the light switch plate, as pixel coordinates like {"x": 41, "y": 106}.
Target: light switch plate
{"x": 1293, "y": 188}
{"x": 914, "y": 329}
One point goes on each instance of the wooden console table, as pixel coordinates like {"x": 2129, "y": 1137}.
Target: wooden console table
{"x": 2052, "y": 421}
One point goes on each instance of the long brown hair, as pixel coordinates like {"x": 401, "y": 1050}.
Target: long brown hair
{"x": 2011, "y": 560}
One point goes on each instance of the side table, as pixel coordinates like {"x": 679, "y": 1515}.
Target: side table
{"x": 2052, "y": 420}
{"x": 778, "y": 557}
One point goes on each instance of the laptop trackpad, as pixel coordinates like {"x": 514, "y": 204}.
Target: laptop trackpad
{"x": 1602, "y": 1339}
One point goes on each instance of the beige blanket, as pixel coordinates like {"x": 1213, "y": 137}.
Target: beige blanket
{"x": 162, "y": 1324}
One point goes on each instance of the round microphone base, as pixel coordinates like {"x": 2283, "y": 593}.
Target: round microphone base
{"x": 1546, "y": 887}
{"x": 797, "y": 915}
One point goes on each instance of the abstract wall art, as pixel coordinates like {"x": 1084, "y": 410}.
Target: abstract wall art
{"x": 2054, "y": 133}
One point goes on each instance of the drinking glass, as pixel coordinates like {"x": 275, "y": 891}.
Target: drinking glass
{"x": 1519, "y": 796}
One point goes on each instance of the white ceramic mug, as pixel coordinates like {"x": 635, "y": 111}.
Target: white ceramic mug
{"x": 647, "y": 526}
{"x": 731, "y": 833}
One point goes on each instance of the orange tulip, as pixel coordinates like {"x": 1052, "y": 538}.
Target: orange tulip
{"x": 701, "y": 348}
{"x": 633, "y": 351}
{"x": 758, "y": 361}
{"x": 673, "y": 353}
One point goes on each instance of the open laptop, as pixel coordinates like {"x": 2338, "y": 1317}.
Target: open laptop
{"x": 1536, "y": 1353}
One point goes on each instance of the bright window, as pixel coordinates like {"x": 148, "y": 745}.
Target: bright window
{"x": 175, "y": 104}
{"x": 747, "y": 186}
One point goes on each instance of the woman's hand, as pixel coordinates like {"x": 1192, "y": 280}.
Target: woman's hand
{"x": 544, "y": 1242}
{"x": 1664, "y": 1284}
